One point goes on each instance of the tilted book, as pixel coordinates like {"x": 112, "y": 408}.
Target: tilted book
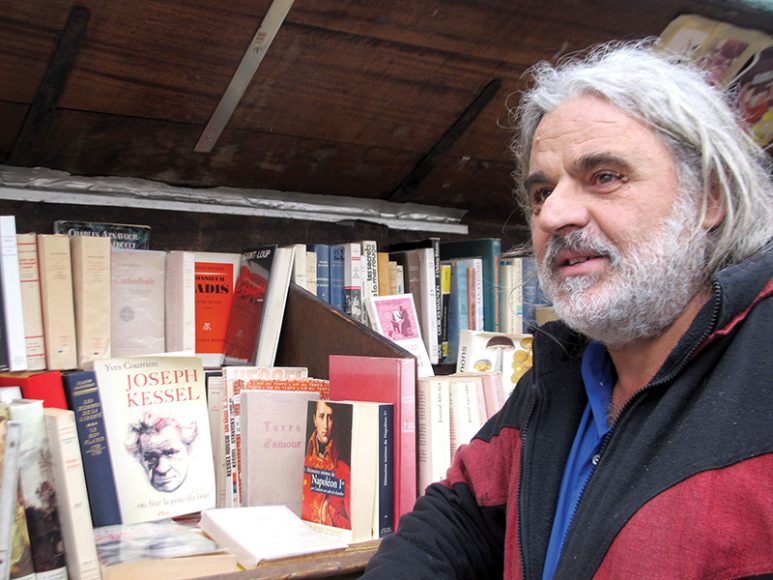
{"x": 157, "y": 430}
{"x": 273, "y": 430}
{"x": 39, "y": 491}
{"x": 385, "y": 380}
{"x": 346, "y": 469}
{"x": 74, "y": 513}
{"x": 215, "y": 274}
{"x": 29, "y": 276}
{"x": 369, "y": 267}
{"x": 274, "y": 308}
{"x": 247, "y": 308}
{"x": 91, "y": 291}
{"x": 57, "y": 303}
{"x": 122, "y": 236}
{"x": 137, "y": 294}
{"x": 395, "y": 318}
{"x": 10, "y": 283}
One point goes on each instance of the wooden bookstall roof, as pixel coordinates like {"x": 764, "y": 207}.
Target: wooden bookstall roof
{"x": 398, "y": 100}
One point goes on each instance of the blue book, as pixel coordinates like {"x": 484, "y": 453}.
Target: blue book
{"x": 80, "y": 388}
{"x": 386, "y": 475}
{"x": 489, "y": 250}
{"x": 337, "y": 268}
{"x": 323, "y": 271}
{"x": 457, "y": 308}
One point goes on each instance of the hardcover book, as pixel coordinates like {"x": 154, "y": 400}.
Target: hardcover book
{"x": 215, "y": 274}
{"x": 157, "y": 434}
{"x": 29, "y": 276}
{"x": 395, "y": 318}
{"x": 337, "y": 269}
{"x": 79, "y": 548}
{"x": 385, "y": 380}
{"x": 91, "y": 291}
{"x": 323, "y": 271}
{"x": 346, "y": 469}
{"x": 247, "y": 308}
{"x": 57, "y": 301}
{"x": 42, "y": 385}
{"x": 273, "y": 433}
{"x": 137, "y": 294}
{"x": 122, "y": 236}
{"x": 10, "y": 283}
{"x": 39, "y": 491}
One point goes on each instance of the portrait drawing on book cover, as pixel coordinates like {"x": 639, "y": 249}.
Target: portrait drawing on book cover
{"x": 162, "y": 445}
{"x": 326, "y": 472}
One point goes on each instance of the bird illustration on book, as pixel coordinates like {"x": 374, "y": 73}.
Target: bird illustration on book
{"x": 162, "y": 445}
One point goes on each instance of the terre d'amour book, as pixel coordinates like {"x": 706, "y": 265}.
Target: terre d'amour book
{"x": 157, "y": 429}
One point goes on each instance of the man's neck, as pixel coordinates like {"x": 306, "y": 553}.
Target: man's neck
{"x": 636, "y": 363}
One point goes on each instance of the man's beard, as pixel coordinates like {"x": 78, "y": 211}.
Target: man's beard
{"x": 642, "y": 291}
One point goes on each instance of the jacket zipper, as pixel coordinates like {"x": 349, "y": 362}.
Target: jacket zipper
{"x": 521, "y": 463}
{"x": 717, "y": 290}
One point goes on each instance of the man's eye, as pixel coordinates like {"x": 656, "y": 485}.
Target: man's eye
{"x": 540, "y": 194}
{"x": 607, "y": 178}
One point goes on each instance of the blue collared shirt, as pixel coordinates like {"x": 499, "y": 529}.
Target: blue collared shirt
{"x": 597, "y": 373}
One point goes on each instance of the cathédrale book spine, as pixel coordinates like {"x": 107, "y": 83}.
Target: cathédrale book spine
{"x": 157, "y": 427}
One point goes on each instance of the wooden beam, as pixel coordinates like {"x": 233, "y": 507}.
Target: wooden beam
{"x": 424, "y": 167}
{"x": 43, "y": 107}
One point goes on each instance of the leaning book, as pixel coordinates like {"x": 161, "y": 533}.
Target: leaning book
{"x": 157, "y": 431}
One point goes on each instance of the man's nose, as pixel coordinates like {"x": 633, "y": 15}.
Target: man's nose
{"x": 564, "y": 210}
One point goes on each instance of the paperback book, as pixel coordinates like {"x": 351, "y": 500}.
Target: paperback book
{"x": 157, "y": 435}
{"x": 509, "y": 354}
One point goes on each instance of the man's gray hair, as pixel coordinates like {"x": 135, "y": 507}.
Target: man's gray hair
{"x": 714, "y": 155}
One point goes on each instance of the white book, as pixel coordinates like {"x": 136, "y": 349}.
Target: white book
{"x": 511, "y": 295}
{"x": 35, "y": 474}
{"x": 428, "y": 292}
{"x": 299, "y": 275}
{"x": 218, "y": 416}
{"x": 369, "y": 268}
{"x": 433, "y": 430}
{"x": 13, "y": 310}
{"x": 274, "y": 307}
{"x": 29, "y": 275}
{"x": 466, "y": 410}
{"x": 10, "y": 442}
{"x": 311, "y": 272}
{"x": 56, "y": 296}
{"x": 261, "y": 533}
{"x": 137, "y": 302}
{"x": 80, "y": 549}
{"x": 91, "y": 292}
{"x": 400, "y": 280}
{"x": 353, "y": 280}
{"x": 180, "y": 300}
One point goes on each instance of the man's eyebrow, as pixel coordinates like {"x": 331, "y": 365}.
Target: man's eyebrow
{"x": 593, "y": 161}
{"x": 536, "y": 177}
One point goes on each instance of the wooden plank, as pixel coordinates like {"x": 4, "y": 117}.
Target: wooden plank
{"x": 41, "y": 112}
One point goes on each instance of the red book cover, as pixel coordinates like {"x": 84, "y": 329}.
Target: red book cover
{"x": 44, "y": 385}
{"x": 385, "y": 380}
{"x": 246, "y": 314}
{"x": 214, "y": 293}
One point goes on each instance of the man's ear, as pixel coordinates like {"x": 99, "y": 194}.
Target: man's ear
{"x": 715, "y": 209}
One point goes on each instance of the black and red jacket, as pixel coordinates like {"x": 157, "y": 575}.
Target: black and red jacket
{"x": 684, "y": 487}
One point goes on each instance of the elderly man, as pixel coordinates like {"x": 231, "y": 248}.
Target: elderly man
{"x": 640, "y": 445}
